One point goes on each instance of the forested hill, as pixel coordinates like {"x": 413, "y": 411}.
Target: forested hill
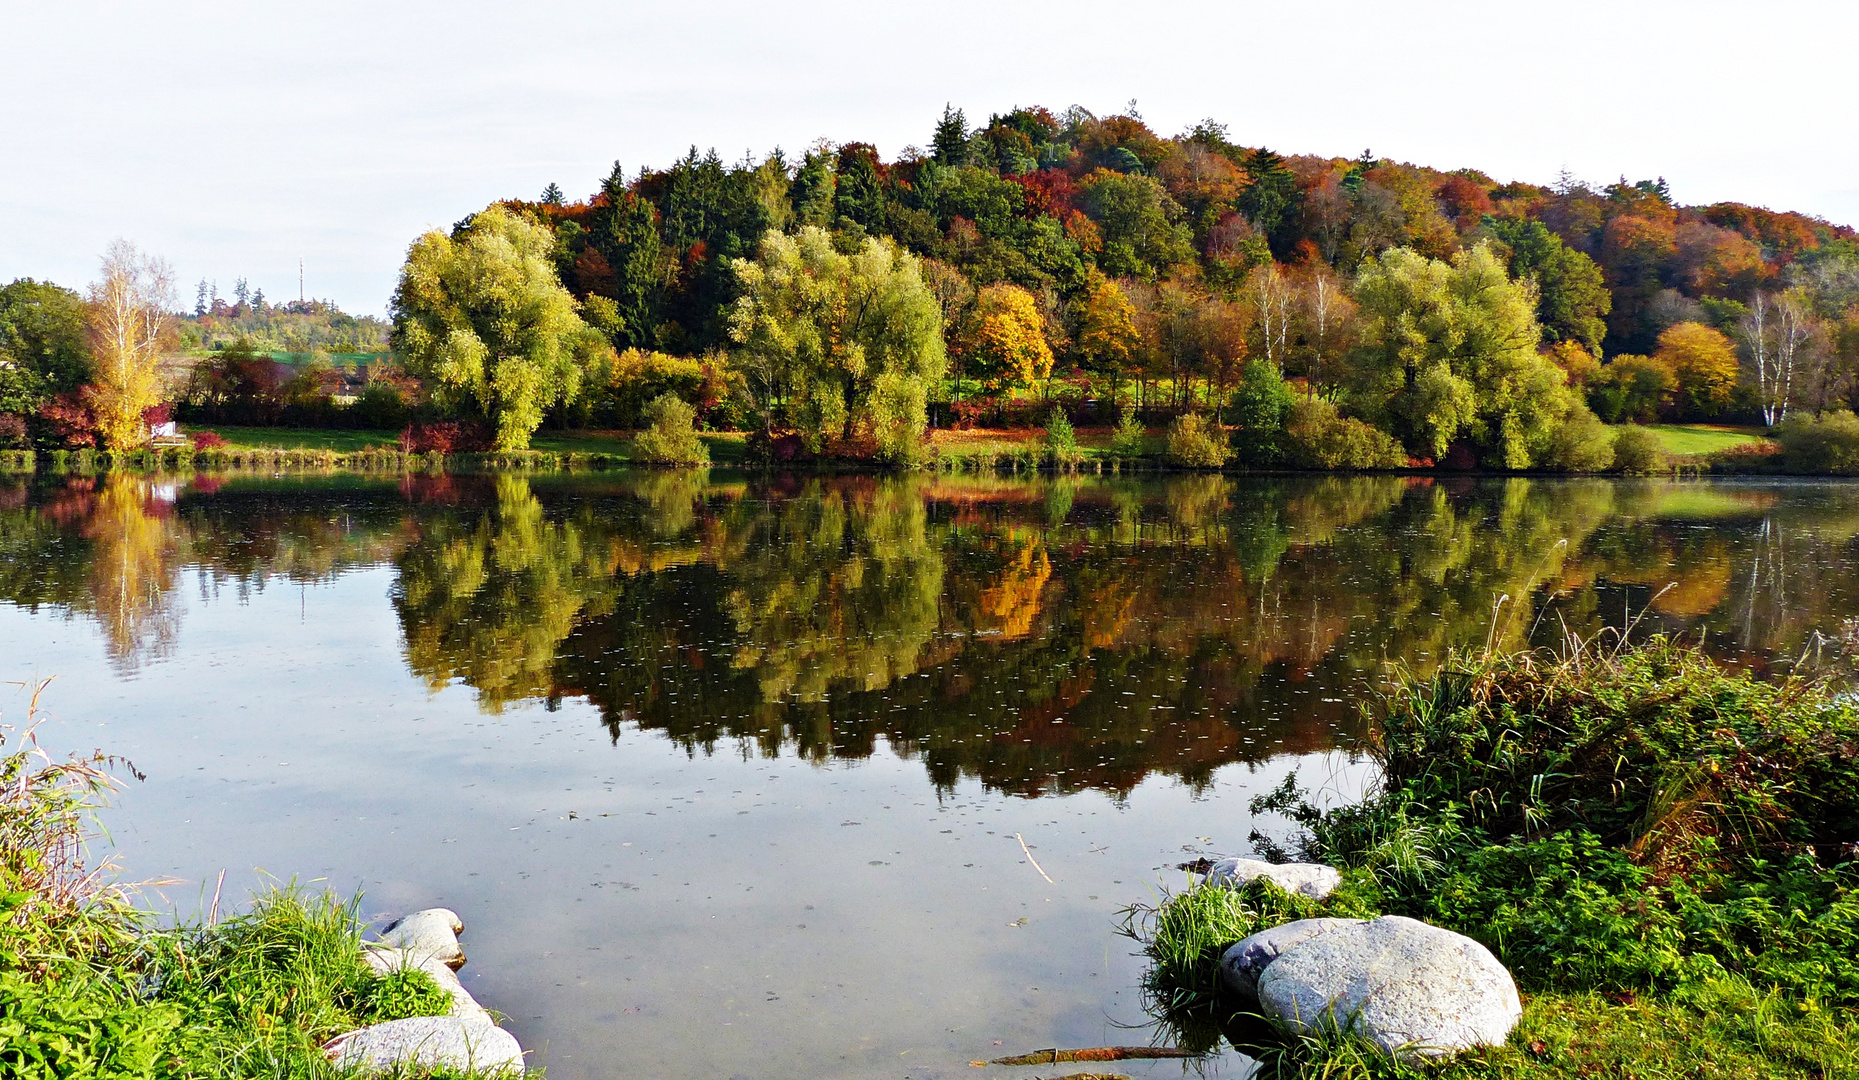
{"x": 1042, "y": 199}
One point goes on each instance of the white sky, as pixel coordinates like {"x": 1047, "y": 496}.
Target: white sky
{"x": 234, "y": 138}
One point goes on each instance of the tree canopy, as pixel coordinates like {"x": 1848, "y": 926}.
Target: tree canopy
{"x": 481, "y": 315}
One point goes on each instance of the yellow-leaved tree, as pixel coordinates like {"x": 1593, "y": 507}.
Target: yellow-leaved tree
{"x": 1705, "y": 362}
{"x": 1005, "y": 342}
{"x": 130, "y": 308}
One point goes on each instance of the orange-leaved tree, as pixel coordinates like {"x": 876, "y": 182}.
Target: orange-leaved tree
{"x": 1705, "y": 362}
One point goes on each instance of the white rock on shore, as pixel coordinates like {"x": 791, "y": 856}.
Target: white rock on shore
{"x": 1415, "y": 990}
{"x": 431, "y": 933}
{"x": 1243, "y": 963}
{"x": 466, "y": 1038}
{"x": 1313, "y": 880}
{"x": 428, "y": 1042}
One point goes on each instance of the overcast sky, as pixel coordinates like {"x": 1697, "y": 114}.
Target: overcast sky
{"x": 235, "y": 138}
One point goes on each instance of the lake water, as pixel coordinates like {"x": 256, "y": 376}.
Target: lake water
{"x": 729, "y": 777}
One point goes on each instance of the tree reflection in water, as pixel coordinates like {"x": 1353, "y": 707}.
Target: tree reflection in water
{"x": 1045, "y": 634}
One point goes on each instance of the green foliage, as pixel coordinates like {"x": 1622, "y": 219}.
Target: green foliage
{"x": 1828, "y": 443}
{"x": 625, "y": 232}
{"x": 1572, "y": 297}
{"x": 1129, "y": 438}
{"x": 1195, "y": 442}
{"x": 1620, "y": 819}
{"x": 1142, "y": 227}
{"x": 1317, "y": 437}
{"x": 1451, "y": 354}
{"x": 43, "y": 350}
{"x": 1654, "y": 845}
{"x": 670, "y": 437}
{"x": 481, "y": 316}
{"x": 1638, "y": 452}
{"x": 1581, "y": 444}
{"x": 840, "y": 344}
{"x": 1061, "y": 441}
{"x": 1262, "y": 407}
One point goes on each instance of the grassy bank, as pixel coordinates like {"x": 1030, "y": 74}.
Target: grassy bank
{"x": 91, "y": 988}
{"x": 1659, "y": 849}
{"x": 1703, "y": 440}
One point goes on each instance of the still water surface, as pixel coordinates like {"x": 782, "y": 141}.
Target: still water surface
{"x": 729, "y": 777}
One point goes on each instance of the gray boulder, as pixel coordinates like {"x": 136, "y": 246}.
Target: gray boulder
{"x": 432, "y": 933}
{"x": 428, "y": 1042}
{"x": 1243, "y": 963}
{"x": 1417, "y": 991}
{"x": 1313, "y": 880}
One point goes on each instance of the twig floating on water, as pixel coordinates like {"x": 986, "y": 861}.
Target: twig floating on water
{"x": 1042, "y": 872}
{"x": 1095, "y": 1053}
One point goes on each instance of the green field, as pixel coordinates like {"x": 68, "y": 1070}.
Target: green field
{"x": 724, "y": 446}
{"x": 1691, "y": 439}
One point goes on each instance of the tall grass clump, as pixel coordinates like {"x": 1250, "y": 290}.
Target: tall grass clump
{"x": 91, "y": 989}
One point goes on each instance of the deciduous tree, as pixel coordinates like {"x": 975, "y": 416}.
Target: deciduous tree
{"x": 130, "y": 308}
{"x": 839, "y": 341}
{"x": 1005, "y": 341}
{"x": 482, "y": 317}
{"x": 1704, "y": 362}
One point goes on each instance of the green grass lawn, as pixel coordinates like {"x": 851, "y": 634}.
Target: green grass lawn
{"x": 725, "y": 446}
{"x": 1689, "y": 439}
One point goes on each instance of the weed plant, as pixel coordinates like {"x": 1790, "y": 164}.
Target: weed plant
{"x": 90, "y": 989}
{"x": 1660, "y": 849}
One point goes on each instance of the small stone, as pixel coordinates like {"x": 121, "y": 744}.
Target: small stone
{"x": 1414, "y": 990}
{"x": 1312, "y": 880}
{"x": 1243, "y": 963}
{"x": 431, "y": 933}
{"x": 428, "y": 1042}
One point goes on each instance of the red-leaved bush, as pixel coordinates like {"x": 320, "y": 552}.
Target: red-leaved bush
{"x": 444, "y": 437}
{"x": 69, "y": 421}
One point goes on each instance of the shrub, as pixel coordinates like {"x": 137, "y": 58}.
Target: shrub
{"x": 207, "y": 440}
{"x": 1581, "y": 443}
{"x": 1127, "y": 440}
{"x": 1061, "y": 440}
{"x": 445, "y": 437}
{"x": 1637, "y": 452}
{"x": 671, "y": 437}
{"x": 1318, "y": 438}
{"x": 381, "y": 404}
{"x": 12, "y": 431}
{"x": 1196, "y": 444}
{"x": 1828, "y": 443}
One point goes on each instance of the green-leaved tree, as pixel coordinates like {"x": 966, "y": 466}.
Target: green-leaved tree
{"x": 1450, "y": 355}
{"x": 841, "y": 343}
{"x": 481, "y": 316}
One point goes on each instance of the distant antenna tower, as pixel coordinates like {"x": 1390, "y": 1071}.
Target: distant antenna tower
{"x": 300, "y": 279}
